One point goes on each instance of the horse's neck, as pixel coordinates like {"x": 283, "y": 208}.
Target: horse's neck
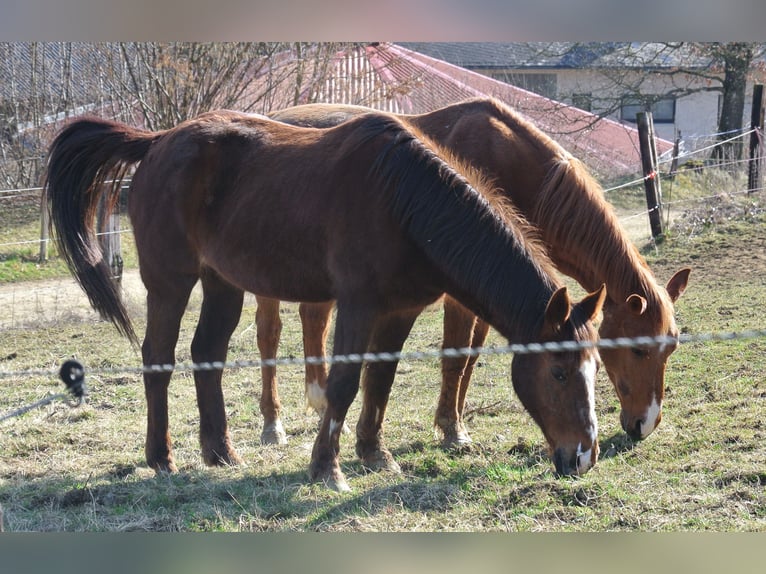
{"x": 517, "y": 318}
{"x": 604, "y": 257}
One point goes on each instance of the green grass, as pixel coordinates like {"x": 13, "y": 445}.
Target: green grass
{"x": 83, "y": 469}
{"x": 20, "y": 231}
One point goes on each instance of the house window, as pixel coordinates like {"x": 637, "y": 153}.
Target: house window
{"x": 543, "y": 84}
{"x": 663, "y": 110}
{"x": 583, "y": 101}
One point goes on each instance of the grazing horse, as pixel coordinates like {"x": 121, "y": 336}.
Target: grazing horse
{"x": 554, "y": 192}
{"x": 367, "y": 214}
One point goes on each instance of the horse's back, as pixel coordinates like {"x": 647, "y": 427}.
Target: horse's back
{"x": 319, "y": 115}
{"x": 241, "y": 192}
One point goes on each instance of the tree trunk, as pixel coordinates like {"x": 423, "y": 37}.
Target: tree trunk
{"x": 737, "y": 59}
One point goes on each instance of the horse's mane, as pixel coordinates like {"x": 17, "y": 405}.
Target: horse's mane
{"x": 570, "y": 189}
{"x": 445, "y": 206}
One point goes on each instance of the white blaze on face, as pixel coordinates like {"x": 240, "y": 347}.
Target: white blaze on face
{"x": 652, "y": 414}
{"x": 588, "y": 370}
{"x": 583, "y": 459}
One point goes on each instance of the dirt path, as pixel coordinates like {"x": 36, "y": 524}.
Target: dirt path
{"x": 52, "y": 300}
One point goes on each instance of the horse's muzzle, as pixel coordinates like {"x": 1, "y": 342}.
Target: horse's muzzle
{"x": 574, "y": 462}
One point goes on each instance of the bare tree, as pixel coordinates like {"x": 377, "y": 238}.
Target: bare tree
{"x": 36, "y": 79}
{"x": 171, "y": 82}
{"x": 736, "y": 58}
{"x": 157, "y": 84}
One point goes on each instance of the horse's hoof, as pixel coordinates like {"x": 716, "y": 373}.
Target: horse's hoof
{"x": 274, "y": 434}
{"x": 162, "y": 463}
{"x": 455, "y": 437}
{"x": 337, "y": 483}
{"x": 228, "y": 458}
{"x": 460, "y": 442}
{"x": 168, "y": 467}
{"x": 332, "y": 479}
{"x": 381, "y": 459}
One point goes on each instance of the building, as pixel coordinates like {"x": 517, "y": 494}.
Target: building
{"x": 610, "y": 79}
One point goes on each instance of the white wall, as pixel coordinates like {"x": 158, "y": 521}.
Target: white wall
{"x": 696, "y": 115}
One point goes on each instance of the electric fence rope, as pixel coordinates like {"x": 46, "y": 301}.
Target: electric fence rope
{"x": 529, "y": 348}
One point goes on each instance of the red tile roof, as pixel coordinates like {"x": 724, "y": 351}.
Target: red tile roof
{"x": 421, "y": 83}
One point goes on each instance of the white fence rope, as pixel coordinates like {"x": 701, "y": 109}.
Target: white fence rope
{"x": 711, "y": 146}
{"x": 531, "y": 348}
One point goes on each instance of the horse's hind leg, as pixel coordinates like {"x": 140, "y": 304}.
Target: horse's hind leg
{"x": 166, "y": 302}
{"x": 315, "y": 321}
{"x": 459, "y": 325}
{"x": 268, "y": 327}
{"x": 480, "y": 332}
{"x": 378, "y": 377}
{"x": 221, "y": 309}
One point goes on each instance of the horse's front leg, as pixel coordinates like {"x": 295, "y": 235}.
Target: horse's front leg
{"x": 315, "y": 321}
{"x": 389, "y": 336}
{"x": 221, "y": 309}
{"x": 352, "y": 332}
{"x": 480, "y": 332}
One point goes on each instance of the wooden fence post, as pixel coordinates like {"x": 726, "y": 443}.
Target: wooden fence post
{"x": 754, "y": 175}
{"x": 109, "y": 239}
{"x": 676, "y": 151}
{"x": 43, "y": 228}
{"x": 651, "y": 175}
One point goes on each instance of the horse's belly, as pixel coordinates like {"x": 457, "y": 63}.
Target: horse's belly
{"x": 289, "y": 273}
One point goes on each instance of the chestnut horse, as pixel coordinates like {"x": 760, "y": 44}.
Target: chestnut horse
{"x": 367, "y": 214}
{"x": 553, "y": 191}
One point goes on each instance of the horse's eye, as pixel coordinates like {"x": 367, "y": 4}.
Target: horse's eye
{"x": 640, "y": 352}
{"x": 559, "y": 374}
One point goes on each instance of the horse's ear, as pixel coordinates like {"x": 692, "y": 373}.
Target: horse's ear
{"x": 677, "y": 284}
{"x": 636, "y": 304}
{"x": 558, "y": 310}
{"x": 592, "y": 303}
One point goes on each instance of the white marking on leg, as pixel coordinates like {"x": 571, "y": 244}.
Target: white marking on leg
{"x": 315, "y": 396}
{"x": 333, "y": 426}
{"x": 652, "y": 414}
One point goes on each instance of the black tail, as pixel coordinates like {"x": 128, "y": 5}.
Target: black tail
{"x": 87, "y": 160}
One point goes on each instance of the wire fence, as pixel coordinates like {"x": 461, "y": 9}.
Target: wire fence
{"x": 515, "y": 349}
{"x": 73, "y": 374}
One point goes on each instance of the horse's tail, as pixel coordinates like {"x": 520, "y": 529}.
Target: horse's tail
{"x": 86, "y": 162}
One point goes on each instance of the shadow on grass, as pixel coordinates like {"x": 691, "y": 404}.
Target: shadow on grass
{"x": 126, "y": 498}
{"x": 618, "y": 443}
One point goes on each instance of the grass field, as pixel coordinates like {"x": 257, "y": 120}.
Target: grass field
{"x": 704, "y": 468}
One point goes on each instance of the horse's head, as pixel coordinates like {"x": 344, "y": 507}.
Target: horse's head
{"x": 557, "y": 388}
{"x": 638, "y": 373}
